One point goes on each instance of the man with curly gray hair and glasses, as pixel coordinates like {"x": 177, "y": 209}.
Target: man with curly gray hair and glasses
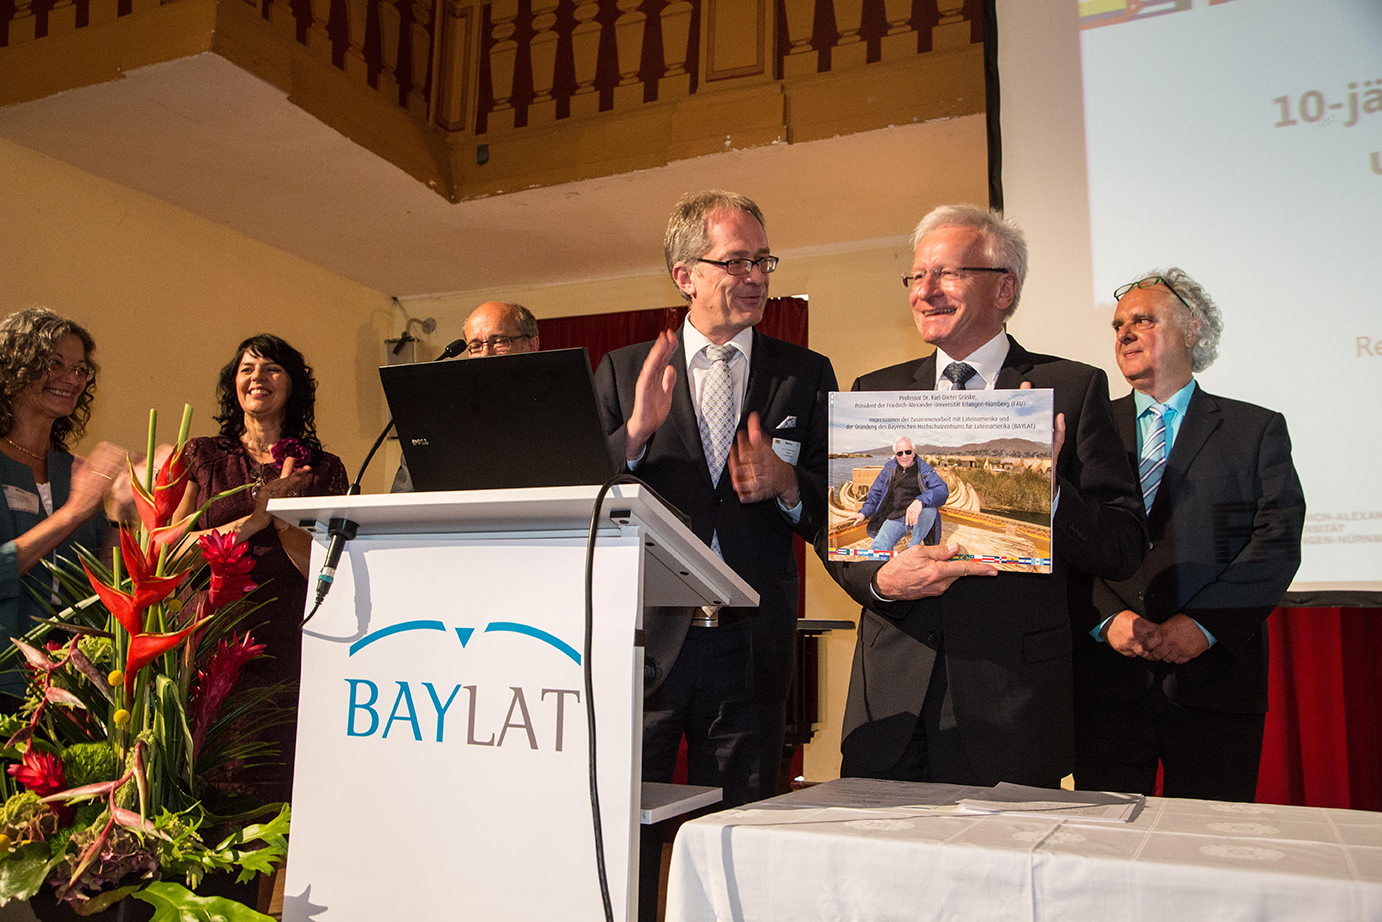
{"x": 1174, "y": 669}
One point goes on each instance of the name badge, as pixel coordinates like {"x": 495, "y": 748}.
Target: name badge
{"x": 21, "y": 500}
{"x": 787, "y": 450}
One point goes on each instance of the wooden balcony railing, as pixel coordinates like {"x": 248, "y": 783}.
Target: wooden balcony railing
{"x": 611, "y": 84}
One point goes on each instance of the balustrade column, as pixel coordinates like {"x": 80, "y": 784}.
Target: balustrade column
{"x": 543, "y": 50}
{"x": 100, "y": 12}
{"x": 628, "y": 34}
{"x": 502, "y": 57}
{"x": 357, "y": 16}
{"x": 318, "y": 39}
{"x": 850, "y": 50}
{"x": 953, "y": 30}
{"x": 801, "y": 59}
{"x": 676, "y": 32}
{"x": 420, "y": 34}
{"x": 62, "y": 18}
{"x": 390, "y": 24}
{"x": 901, "y": 40}
{"x": 585, "y": 48}
{"x": 282, "y": 18}
{"x": 22, "y": 24}
{"x": 456, "y": 51}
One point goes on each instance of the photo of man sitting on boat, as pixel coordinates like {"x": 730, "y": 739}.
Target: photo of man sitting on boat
{"x": 969, "y": 468}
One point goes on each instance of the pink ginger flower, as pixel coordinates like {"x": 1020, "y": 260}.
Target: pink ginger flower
{"x": 215, "y": 682}
{"x": 230, "y": 568}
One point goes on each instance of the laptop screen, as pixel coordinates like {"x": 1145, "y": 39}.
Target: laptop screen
{"x": 502, "y": 422}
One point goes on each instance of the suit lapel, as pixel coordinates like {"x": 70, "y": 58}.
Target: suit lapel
{"x": 1017, "y": 365}
{"x": 925, "y": 379}
{"x": 684, "y": 414}
{"x": 1201, "y": 419}
{"x": 763, "y": 384}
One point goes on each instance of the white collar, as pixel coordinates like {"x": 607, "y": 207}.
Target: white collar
{"x": 694, "y": 341}
{"x": 987, "y": 360}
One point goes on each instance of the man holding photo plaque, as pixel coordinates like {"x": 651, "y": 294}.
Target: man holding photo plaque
{"x": 962, "y": 674}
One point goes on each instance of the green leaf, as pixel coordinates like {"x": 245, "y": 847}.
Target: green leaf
{"x": 22, "y": 871}
{"x": 105, "y": 900}
{"x": 175, "y": 903}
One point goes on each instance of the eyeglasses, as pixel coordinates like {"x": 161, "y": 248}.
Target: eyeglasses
{"x": 903, "y": 452}
{"x": 500, "y": 344}
{"x": 744, "y": 266}
{"x": 947, "y": 276}
{"x": 1152, "y": 281}
{"x": 57, "y": 368}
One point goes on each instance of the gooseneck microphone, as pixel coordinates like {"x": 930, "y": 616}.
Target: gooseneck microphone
{"x": 344, "y": 530}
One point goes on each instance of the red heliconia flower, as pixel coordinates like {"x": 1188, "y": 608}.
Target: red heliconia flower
{"x": 138, "y": 565}
{"x": 128, "y": 608}
{"x": 230, "y": 568}
{"x": 145, "y": 648}
{"x": 214, "y": 683}
{"x": 170, "y": 483}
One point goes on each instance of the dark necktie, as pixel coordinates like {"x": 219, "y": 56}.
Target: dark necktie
{"x": 957, "y": 373}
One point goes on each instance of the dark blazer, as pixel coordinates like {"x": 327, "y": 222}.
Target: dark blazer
{"x": 785, "y": 382}
{"x": 1225, "y": 542}
{"x": 1006, "y": 639}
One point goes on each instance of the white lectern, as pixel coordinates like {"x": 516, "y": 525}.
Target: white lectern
{"x": 442, "y": 767}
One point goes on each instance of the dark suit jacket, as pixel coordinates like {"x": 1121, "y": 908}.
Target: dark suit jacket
{"x": 1225, "y": 542}
{"x": 785, "y": 381}
{"x": 1006, "y": 639}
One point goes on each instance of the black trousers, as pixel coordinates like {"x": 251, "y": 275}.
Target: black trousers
{"x": 1209, "y": 755}
{"x": 708, "y": 697}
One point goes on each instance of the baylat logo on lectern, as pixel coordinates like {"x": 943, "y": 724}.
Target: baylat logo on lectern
{"x": 423, "y": 710}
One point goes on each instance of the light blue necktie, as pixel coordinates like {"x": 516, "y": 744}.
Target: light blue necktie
{"x": 1153, "y": 462}
{"x": 717, "y": 417}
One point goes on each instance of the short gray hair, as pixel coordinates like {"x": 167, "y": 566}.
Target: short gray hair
{"x": 1005, "y": 246}
{"x": 1194, "y": 303}
{"x": 687, "y": 239}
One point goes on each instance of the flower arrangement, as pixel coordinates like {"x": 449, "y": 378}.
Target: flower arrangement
{"x": 132, "y": 718}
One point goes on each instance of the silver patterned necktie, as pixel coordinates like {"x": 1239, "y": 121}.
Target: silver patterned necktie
{"x": 1153, "y": 461}
{"x": 957, "y": 373}
{"x": 717, "y": 417}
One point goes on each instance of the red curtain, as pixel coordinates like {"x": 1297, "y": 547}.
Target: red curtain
{"x": 783, "y": 318}
{"x": 1323, "y": 740}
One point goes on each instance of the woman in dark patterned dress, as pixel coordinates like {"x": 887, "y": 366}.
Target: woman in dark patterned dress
{"x": 267, "y": 393}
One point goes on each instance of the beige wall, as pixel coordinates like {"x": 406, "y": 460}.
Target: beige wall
{"x": 168, "y": 295}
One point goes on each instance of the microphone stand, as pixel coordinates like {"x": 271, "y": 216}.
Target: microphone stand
{"x": 344, "y": 530}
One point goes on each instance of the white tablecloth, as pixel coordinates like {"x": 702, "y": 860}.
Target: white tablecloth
{"x": 1178, "y": 860}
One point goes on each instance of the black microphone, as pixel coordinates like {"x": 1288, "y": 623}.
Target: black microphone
{"x": 343, "y": 530}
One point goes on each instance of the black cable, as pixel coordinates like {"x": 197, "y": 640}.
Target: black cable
{"x": 589, "y": 677}
{"x": 344, "y": 530}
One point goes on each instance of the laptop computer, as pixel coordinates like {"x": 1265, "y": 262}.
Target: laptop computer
{"x": 502, "y": 422}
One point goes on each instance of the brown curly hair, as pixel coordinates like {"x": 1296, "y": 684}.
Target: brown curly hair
{"x": 28, "y": 338}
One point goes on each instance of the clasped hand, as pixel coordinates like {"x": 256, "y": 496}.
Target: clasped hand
{"x": 1176, "y": 640}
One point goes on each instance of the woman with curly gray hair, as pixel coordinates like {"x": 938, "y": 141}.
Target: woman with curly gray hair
{"x": 52, "y": 498}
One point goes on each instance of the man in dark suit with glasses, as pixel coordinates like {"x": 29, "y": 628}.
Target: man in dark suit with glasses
{"x": 962, "y": 674}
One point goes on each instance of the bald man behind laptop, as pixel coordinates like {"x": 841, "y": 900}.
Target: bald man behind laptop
{"x": 493, "y": 328}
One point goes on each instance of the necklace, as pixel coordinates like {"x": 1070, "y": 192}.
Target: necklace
{"x": 14, "y": 444}
{"x": 252, "y": 446}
